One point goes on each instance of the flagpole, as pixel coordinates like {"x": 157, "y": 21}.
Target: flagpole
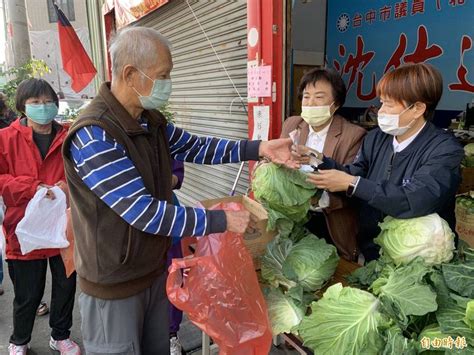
{"x": 56, "y": 58}
{"x": 59, "y": 76}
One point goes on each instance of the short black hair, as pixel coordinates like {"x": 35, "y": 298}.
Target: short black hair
{"x": 33, "y": 88}
{"x": 339, "y": 90}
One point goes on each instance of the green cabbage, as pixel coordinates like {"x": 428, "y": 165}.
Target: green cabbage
{"x": 311, "y": 262}
{"x": 459, "y": 274}
{"x": 364, "y": 276}
{"x": 469, "y": 318}
{"x": 272, "y": 263}
{"x": 405, "y": 239}
{"x": 404, "y": 292}
{"x": 469, "y": 150}
{"x": 451, "y": 311}
{"x": 345, "y": 320}
{"x": 466, "y": 202}
{"x": 308, "y": 263}
{"x": 468, "y": 162}
{"x": 397, "y": 344}
{"x": 284, "y": 193}
{"x": 285, "y": 312}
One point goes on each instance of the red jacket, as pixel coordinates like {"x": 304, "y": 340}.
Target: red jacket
{"x": 21, "y": 171}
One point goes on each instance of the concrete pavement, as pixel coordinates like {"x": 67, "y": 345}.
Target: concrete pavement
{"x": 41, "y": 331}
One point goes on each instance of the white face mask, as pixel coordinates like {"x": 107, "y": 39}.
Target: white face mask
{"x": 390, "y": 123}
{"x": 316, "y": 115}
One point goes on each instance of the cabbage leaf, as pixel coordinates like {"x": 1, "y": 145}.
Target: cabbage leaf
{"x": 344, "y": 321}
{"x": 311, "y": 262}
{"x": 459, "y": 274}
{"x": 285, "y": 312}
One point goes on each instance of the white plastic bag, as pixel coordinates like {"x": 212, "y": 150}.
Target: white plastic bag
{"x": 44, "y": 223}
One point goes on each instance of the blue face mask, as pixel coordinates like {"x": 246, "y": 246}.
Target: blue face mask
{"x": 159, "y": 95}
{"x": 41, "y": 113}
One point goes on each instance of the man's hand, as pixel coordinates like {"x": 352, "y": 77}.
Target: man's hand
{"x": 278, "y": 151}
{"x": 174, "y": 181}
{"x": 331, "y": 180}
{"x": 237, "y": 221}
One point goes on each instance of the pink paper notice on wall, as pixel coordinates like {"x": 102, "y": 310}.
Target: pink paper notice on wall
{"x": 259, "y": 81}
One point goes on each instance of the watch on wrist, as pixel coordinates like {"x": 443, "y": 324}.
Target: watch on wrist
{"x": 352, "y": 185}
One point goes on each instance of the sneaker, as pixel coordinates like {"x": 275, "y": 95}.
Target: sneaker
{"x": 65, "y": 347}
{"x": 17, "y": 349}
{"x": 175, "y": 346}
{"x": 42, "y": 309}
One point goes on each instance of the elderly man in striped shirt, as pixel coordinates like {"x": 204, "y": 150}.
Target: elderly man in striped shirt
{"x": 118, "y": 166}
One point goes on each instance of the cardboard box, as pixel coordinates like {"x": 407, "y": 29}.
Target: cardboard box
{"x": 465, "y": 225}
{"x": 257, "y": 238}
{"x": 467, "y": 182}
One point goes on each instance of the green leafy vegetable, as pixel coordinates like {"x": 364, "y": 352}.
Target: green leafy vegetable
{"x": 272, "y": 263}
{"x": 451, "y": 311}
{"x": 405, "y": 287}
{"x": 459, "y": 275}
{"x": 364, "y": 276}
{"x": 469, "y": 150}
{"x": 308, "y": 263}
{"x": 311, "y": 262}
{"x": 468, "y": 162}
{"x": 469, "y": 318}
{"x": 344, "y": 321}
{"x": 405, "y": 239}
{"x": 284, "y": 193}
{"x": 397, "y": 344}
{"x": 466, "y": 201}
{"x": 285, "y": 312}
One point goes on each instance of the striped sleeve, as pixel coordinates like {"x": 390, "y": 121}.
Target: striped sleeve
{"x": 105, "y": 168}
{"x": 209, "y": 150}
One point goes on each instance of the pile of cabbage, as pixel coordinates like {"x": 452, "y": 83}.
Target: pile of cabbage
{"x": 468, "y": 160}
{"x": 297, "y": 263}
{"x": 293, "y": 272}
{"x": 417, "y": 297}
{"x": 419, "y": 294}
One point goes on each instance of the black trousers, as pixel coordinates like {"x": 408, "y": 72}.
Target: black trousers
{"x": 29, "y": 278}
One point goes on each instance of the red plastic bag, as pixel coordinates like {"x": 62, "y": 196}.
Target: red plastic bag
{"x": 221, "y": 294}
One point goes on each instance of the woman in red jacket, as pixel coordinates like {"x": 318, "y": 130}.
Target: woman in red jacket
{"x": 30, "y": 158}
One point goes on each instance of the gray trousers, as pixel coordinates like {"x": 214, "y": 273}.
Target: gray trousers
{"x": 132, "y": 326}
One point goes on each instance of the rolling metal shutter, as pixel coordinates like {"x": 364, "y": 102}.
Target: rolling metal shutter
{"x": 202, "y": 92}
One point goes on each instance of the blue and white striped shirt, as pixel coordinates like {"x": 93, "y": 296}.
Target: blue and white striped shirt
{"x": 103, "y": 165}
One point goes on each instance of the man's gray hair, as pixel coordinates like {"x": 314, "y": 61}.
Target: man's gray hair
{"x": 135, "y": 46}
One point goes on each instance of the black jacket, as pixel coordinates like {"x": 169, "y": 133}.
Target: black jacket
{"x": 421, "y": 179}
